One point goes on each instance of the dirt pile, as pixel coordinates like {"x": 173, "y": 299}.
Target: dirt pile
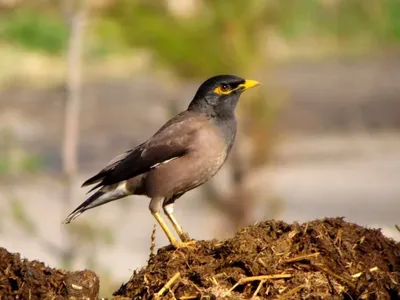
{"x": 23, "y": 279}
{"x": 323, "y": 259}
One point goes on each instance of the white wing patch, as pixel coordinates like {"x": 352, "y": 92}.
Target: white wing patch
{"x": 109, "y": 193}
{"x": 112, "y": 193}
{"x": 121, "y": 189}
{"x": 163, "y": 163}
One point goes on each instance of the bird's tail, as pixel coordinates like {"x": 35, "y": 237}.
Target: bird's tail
{"x": 102, "y": 196}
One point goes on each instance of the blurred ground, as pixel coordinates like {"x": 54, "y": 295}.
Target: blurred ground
{"x": 339, "y": 155}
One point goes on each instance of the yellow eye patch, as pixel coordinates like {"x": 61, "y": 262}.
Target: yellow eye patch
{"x": 226, "y": 89}
{"x": 223, "y": 89}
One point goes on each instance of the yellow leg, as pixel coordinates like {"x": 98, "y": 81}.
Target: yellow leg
{"x": 166, "y": 230}
{"x": 183, "y": 236}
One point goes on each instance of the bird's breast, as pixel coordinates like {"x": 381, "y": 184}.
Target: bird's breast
{"x": 206, "y": 155}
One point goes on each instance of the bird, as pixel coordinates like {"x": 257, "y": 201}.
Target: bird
{"x": 183, "y": 154}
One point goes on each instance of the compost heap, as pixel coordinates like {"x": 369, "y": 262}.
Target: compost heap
{"x": 323, "y": 259}
{"x": 32, "y": 280}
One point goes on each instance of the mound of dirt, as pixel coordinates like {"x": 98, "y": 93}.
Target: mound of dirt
{"x": 323, "y": 259}
{"x": 23, "y": 279}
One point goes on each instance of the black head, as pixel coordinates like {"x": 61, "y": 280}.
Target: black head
{"x": 219, "y": 95}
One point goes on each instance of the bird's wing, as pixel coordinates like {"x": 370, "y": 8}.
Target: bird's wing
{"x": 110, "y": 167}
{"x": 171, "y": 141}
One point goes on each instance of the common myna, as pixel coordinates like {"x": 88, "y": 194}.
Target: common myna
{"x": 183, "y": 154}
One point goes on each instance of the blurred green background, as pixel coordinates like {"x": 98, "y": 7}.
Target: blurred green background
{"x": 202, "y": 37}
{"x": 140, "y": 63}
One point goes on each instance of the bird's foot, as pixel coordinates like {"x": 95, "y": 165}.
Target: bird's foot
{"x": 185, "y": 237}
{"x": 187, "y": 244}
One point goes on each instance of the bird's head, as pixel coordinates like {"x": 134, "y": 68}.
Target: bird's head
{"x": 220, "y": 94}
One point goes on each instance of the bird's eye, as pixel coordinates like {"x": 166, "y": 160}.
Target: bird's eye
{"x": 224, "y": 87}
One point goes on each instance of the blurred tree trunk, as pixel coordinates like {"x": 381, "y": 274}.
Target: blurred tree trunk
{"x": 75, "y": 18}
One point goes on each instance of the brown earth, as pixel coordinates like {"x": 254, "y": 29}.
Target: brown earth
{"x": 323, "y": 259}
{"x": 23, "y": 279}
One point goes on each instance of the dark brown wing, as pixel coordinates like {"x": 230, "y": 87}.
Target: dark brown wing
{"x": 171, "y": 141}
{"x": 110, "y": 166}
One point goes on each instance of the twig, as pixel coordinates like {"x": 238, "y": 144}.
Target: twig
{"x": 258, "y": 288}
{"x": 261, "y": 261}
{"x": 172, "y": 294}
{"x": 255, "y": 278}
{"x": 360, "y": 273}
{"x": 73, "y": 96}
{"x": 397, "y": 227}
{"x": 299, "y": 258}
{"x": 267, "y": 291}
{"x": 168, "y": 285}
{"x": 291, "y": 292}
{"x": 305, "y": 229}
{"x": 341, "y": 278}
{"x": 153, "y": 242}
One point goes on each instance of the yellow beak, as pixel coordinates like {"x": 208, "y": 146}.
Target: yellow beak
{"x": 249, "y": 84}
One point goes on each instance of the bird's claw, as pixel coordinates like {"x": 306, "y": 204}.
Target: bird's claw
{"x": 186, "y": 244}
{"x": 185, "y": 237}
